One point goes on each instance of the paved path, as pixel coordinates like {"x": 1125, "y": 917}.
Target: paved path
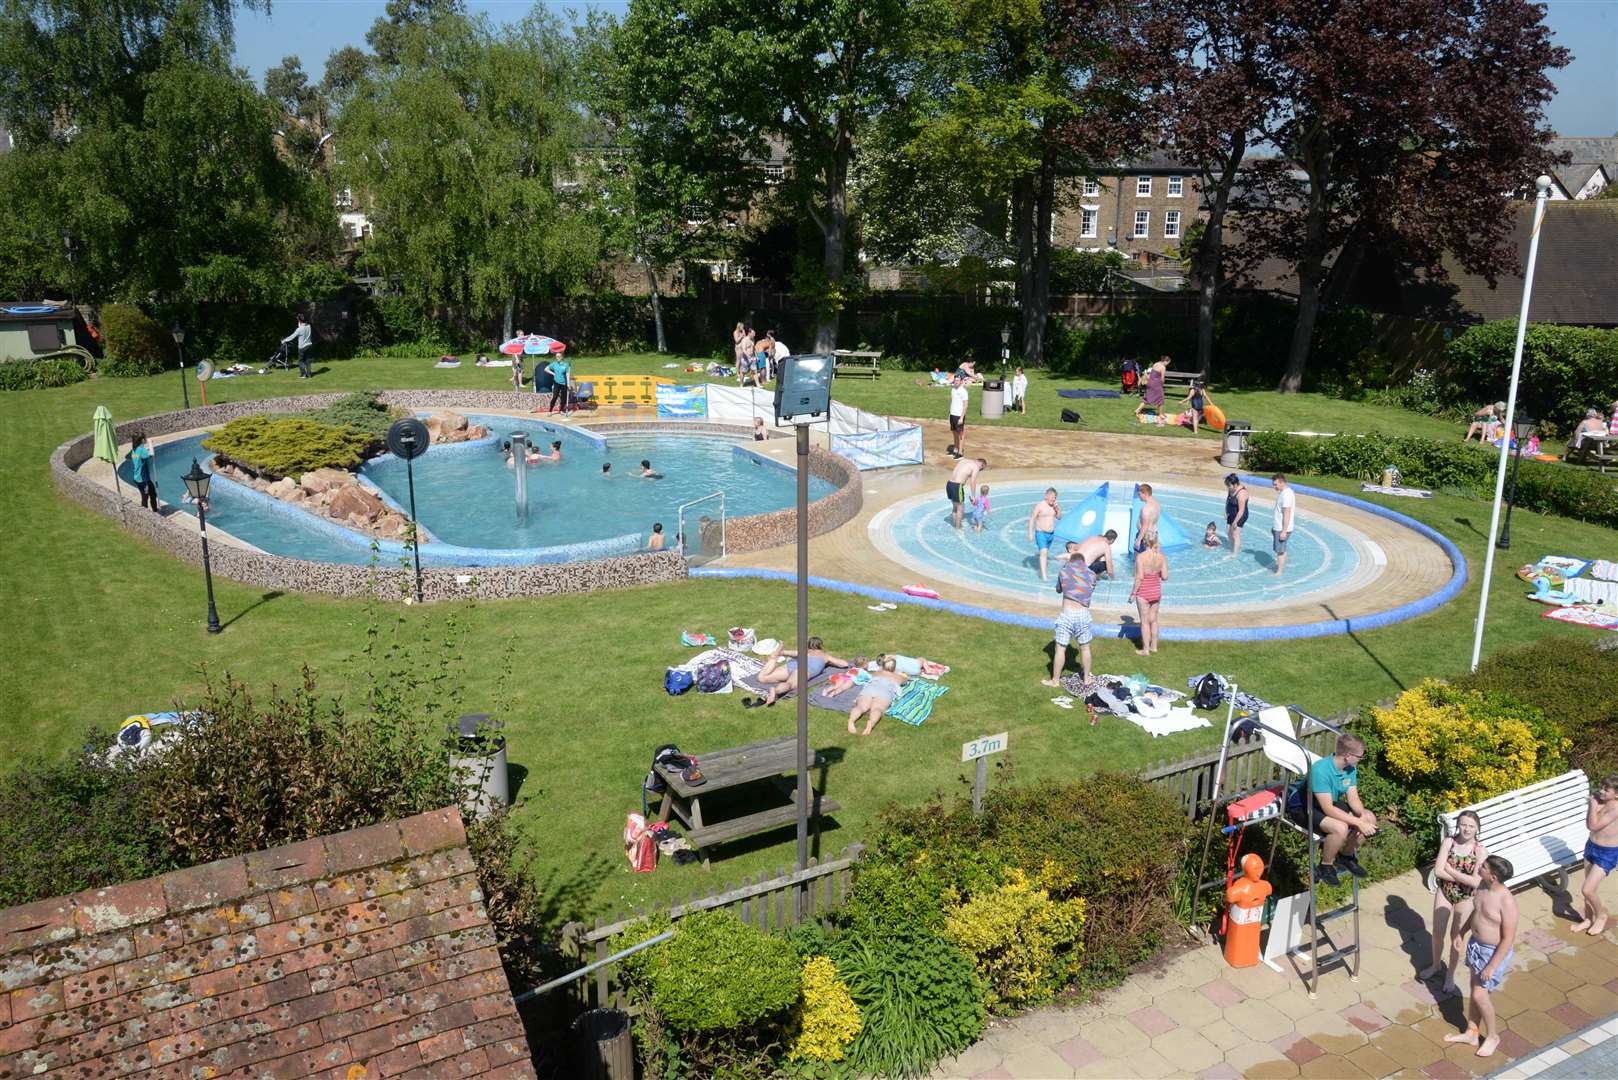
{"x": 1192, "y": 1015}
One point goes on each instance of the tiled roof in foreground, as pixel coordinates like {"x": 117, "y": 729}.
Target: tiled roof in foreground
{"x": 363, "y": 954}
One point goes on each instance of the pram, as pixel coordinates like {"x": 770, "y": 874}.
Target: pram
{"x": 280, "y": 358}
{"x": 1129, "y": 375}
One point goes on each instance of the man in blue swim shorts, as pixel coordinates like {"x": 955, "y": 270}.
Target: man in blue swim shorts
{"x": 1600, "y": 854}
{"x": 1042, "y": 527}
{"x": 1488, "y": 954}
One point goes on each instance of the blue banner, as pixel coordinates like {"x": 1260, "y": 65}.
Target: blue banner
{"x": 880, "y": 449}
{"x": 682, "y": 402}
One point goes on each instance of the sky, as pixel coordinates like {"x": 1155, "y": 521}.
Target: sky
{"x": 1586, "y": 101}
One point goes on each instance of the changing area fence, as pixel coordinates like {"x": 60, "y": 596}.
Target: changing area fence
{"x": 868, "y": 440}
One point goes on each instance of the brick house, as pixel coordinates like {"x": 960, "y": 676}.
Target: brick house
{"x": 363, "y": 954}
{"x": 1141, "y": 208}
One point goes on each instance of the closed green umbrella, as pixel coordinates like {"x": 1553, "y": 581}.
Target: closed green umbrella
{"x": 106, "y": 449}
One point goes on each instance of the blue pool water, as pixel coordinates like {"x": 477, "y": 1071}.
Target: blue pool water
{"x": 465, "y": 496}
{"x": 1000, "y": 559}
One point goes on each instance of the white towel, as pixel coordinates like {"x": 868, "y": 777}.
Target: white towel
{"x": 741, "y": 664}
{"x": 1606, "y": 571}
{"x": 1593, "y": 591}
{"x": 1177, "y": 720}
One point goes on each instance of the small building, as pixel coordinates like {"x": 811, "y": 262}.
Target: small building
{"x": 30, "y": 329}
{"x": 1141, "y": 209}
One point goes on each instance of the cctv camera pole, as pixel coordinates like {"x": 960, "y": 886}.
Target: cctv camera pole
{"x": 804, "y": 794}
{"x": 1507, "y": 433}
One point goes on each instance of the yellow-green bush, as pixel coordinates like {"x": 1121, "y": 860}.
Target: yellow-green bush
{"x": 276, "y": 446}
{"x": 828, "y": 1019}
{"x": 1025, "y": 944}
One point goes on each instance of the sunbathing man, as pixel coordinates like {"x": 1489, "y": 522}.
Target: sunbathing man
{"x": 1042, "y": 526}
{"x": 1488, "y": 954}
{"x": 778, "y": 676}
{"x": 1600, "y": 854}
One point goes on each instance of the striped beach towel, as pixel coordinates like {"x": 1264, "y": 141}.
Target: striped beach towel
{"x": 1590, "y": 592}
{"x": 915, "y": 701}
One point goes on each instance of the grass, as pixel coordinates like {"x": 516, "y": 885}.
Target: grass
{"x": 101, "y": 625}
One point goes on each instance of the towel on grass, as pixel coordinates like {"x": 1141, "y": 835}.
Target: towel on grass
{"x": 1089, "y": 393}
{"x": 742, "y": 665}
{"x": 1407, "y": 492}
{"x": 1604, "y": 570}
{"x": 1582, "y": 616}
{"x": 1177, "y": 720}
{"x": 1567, "y": 565}
{"x": 1588, "y": 591}
{"x": 915, "y": 702}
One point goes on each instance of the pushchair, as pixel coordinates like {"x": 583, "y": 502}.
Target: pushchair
{"x": 1129, "y": 375}
{"x": 280, "y": 358}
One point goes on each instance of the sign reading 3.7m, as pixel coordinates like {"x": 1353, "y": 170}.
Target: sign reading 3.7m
{"x": 984, "y": 745}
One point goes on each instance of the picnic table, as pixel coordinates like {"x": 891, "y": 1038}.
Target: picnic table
{"x": 1597, "y": 450}
{"x": 725, "y": 770}
{"x": 1179, "y": 379}
{"x": 858, "y": 362}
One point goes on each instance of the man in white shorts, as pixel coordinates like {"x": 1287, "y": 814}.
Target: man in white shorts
{"x": 1077, "y": 584}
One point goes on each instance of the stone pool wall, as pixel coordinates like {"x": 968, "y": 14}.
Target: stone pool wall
{"x": 174, "y": 534}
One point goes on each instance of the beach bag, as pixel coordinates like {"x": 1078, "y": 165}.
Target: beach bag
{"x": 677, "y": 681}
{"x": 742, "y": 637}
{"x": 713, "y": 677}
{"x": 1209, "y": 693}
{"x": 1071, "y": 417}
{"x": 639, "y": 848}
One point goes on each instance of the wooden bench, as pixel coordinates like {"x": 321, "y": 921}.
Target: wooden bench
{"x": 1180, "y": 380}
{"x": 1537, "y": 829}
{"x": 856, "y": 362}
{"x": 1594, "y": 450}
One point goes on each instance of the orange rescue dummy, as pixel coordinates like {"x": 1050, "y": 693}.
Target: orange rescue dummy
{"x": 1246, "y": 896}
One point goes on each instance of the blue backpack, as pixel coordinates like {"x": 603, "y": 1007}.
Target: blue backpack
{"x": 676, "y": 681}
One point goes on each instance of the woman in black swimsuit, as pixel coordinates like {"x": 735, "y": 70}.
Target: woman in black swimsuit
{"x": 1235, "y": 511}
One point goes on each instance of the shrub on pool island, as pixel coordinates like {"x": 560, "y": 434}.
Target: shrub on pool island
{"x": 277, "y": 446}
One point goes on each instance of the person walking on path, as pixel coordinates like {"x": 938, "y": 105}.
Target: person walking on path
{"x": 1150, "y": 511}
{"x": 1077, "y": 584}
{"x": 1286, "y": 506}
{"x": 1600, "y": 853}
{"x": 1151, "y": 570}
{"x": 303, "y": 336}
{"x": 1488, "y": 953}
{"x": 1153, "y": 397}
{"x": 1042, "y": 527}
{"x": 959, "y": 486}
{"x": 1235, "y": 511}
{"x": 1457, "y": 878}
{"x": 959, "y": 399}
{"x": 143, "y": 471}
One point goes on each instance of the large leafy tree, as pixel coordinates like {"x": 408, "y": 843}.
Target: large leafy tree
{"x": 733, "y": 74}
{"x": 466, "y": 144}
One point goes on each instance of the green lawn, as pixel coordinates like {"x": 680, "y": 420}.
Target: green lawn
{"x": 102, "y": 625}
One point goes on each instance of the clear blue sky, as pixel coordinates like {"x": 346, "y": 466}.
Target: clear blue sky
{"x": 1586, "y": 101}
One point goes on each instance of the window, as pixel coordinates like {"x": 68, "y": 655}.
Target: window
{"x": 1087, "y": 220}
{"x": 1176, "y": 186}
{"x": 1092, "y": 187}
{"x": 1143, "y": 187}
{"x": 345, "y": 199}
{"x": 1143, "y": 223}
{"x": 774, "y": 174}
{"x": 1171, "y": 223}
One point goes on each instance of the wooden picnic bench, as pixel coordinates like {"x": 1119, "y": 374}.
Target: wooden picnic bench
{"x": 1181, "y": 380}
{"x": 724, "y": 770}
{"x": 1597, "y": 450}
{"x": 858, "y": 362}
{"x": 1537, "y": 829}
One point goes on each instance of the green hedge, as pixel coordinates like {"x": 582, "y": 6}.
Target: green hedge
{"x": 276, "y": 446}
{"x": 1565, "y": 370}
{"x": 40, "y": 374}
{"x": 1575, "y": 683}
{"x": 1543, "y": 487}
{"x": 136, "y": 343}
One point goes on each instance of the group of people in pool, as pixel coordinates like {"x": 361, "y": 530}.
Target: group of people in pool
{"x": 875, "y": 683}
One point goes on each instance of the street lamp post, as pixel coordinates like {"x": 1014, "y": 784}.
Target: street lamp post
{"x": 1005, "y": 350}
{"x": 179, "y": 347}
{"x": 197, "y": 483}
{"x": 1521, "y": 428}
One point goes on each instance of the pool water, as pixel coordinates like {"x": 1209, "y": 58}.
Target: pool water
{"x": 465, "y": 497}
{"x": 1322, "y": 556}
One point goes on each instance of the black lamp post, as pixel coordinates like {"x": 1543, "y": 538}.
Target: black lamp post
{"x": 1522, "y": 425}
{"x": 1005, "y": 349}
{"x": 179, "y": 347}
{"x": 196, "y": 485}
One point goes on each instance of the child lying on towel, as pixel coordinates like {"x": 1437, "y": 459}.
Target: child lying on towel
{"x": 911, "y": 665}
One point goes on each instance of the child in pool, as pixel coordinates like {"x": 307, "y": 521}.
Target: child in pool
{"x": 505, "y": 448}
{"x": 980, "y": 508}
{"x": 1211, "y": 537}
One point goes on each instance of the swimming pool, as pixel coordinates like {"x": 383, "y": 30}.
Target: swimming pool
{"x": 1323, "y": 557}
{"x": 465, "y": 496}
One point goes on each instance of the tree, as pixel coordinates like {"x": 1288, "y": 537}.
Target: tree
{"x": 1406, "y": 124}
{"x": 466, "y": 144}
{"x": 386, "y": 36}
{"x": 731, "y": 74}
{"x": 345, "y": 68}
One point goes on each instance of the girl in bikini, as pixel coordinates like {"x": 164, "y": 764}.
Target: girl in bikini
{"x": 1151, "y": 570}
{"x": 1456, "y": 876}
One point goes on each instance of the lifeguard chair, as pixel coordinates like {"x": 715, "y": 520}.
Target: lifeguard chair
{"x": 1283, "y": 731}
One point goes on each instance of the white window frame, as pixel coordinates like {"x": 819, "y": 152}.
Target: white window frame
{"x": 1089, "y": 221}
{"x": 1171, "y": 224}
{"x": 1143, "y": 225}
{"x": 1143, "y": 187}
{"x": 775, "y": 174}
{"x": 1092, "y": 187}
{"x": 1176, "y": 187}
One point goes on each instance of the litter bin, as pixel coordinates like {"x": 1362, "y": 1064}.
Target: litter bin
{"x": 1234, "y": 447}
{"x": 603, "y": 1047}
{"x": 478, "y": 751}
{"x": 994, "y": 399}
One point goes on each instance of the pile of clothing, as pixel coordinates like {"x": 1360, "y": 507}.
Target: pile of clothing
{"x": 1149, "y": 707}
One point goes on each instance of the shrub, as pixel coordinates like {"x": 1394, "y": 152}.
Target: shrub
{"x": 920, "y": 1000}
{"x": 40, "y": 374}
{"x": 828, "y": 1019}
{"x": 287, "y": 446}
{"x": 1025, "y": 944}
{"x": 1083, "y": 271}
{"x": 1565, "y": 369}
{"x": 359, "y": 411}
{"x": 1573, "y": 682}
{"x": 1449, "y": 747}
{"x": 136, "y": 344}
{"x": 716, "y": 973}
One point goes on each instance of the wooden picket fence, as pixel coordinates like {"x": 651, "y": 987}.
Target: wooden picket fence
{"x": 765, "y": 901}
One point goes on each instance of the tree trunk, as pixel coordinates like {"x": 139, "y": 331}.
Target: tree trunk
{"x": 511, "y": 315}
{"x": 1210, "y": 256}
{"x": 834, "y": 227}
{"x": 1317, "y": 165}
{"x": 1025, "y": 213}
{"x": 1037, "y": 309}
{"x": 657, "y": 305}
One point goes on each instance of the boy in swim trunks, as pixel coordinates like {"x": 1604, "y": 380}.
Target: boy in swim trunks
{"x": 1042, "y": 527}
{"x": 1488, "y": 954}
{"x": 958, "y": 488}
{"x": 1600, "y": 854}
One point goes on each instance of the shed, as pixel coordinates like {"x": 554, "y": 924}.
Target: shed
{"x": 30, "y": 329}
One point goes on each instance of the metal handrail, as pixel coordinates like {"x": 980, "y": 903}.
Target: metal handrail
{"x": 679, "y": 514}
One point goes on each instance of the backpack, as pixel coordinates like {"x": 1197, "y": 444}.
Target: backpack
{"x": 1209, "y": 693}
{"x": 677, "y": 681}
{"x": 1071, "y": 417}
{"x": 713, "y": 678}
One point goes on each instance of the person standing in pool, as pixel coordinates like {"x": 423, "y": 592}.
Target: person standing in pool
{"x": 1488, "y": 953}
{"x": 1286, "y": 506}
{"x": 1235, "y": 511}
{"x": 655, "y": 541}
{"x": 1077, "y": 584}
{"x": 1600, "y": 853}
{"x": 1094, "y": 552}
{"x": 1151, "y": 570}
{"x": 1150, "y": 511}
{"x": 647, "y": 472}
{"x": 959, "y": 486}
{"x": 1042, "y": 527}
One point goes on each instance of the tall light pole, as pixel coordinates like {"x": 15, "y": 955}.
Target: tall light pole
{"x": 1544, "y": 186}
{"x": 197, "y": 483}
{"x": 179, "y": 347}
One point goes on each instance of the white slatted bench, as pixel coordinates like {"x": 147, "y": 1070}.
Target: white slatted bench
{"x": 1537, "y": 829}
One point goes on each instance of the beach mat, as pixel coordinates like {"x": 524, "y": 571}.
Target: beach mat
{"x": 915, "y": 702}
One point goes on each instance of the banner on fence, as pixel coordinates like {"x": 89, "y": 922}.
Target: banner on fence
{"x": 682, "y": 402}
{"x": 880, "y": 449}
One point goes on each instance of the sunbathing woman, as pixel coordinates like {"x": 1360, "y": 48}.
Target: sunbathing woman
{"x": 1483, "y": 422}
{"x": 780, "y": 676}
{"x": 877, "y": 695}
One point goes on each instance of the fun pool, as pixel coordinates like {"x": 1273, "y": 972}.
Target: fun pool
{"x": 1324, "y": 556}
{"x": 465, "y": 496}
